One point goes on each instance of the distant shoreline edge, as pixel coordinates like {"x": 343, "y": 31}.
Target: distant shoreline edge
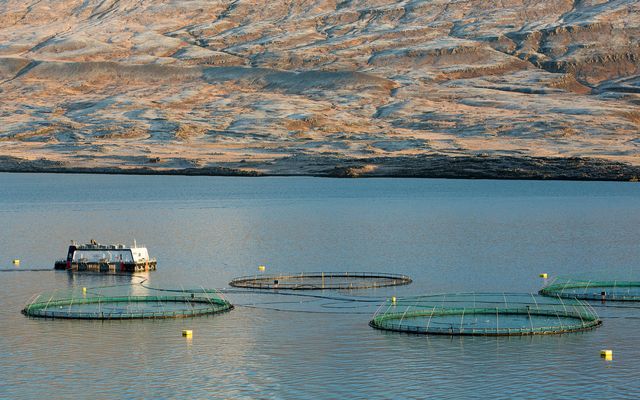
{"x": 423, "y": 166}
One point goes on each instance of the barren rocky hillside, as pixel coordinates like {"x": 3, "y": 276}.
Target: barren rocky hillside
{"x": 514, "y": 88}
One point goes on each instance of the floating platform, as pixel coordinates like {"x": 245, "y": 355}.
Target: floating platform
{"x": 89, "y": 305}
{"x": 585, "y": 289}
{"x": 485, "y": 314}
{"x": 106, "y": 266}
{"x": 320, "y": 281}
{"x": 97, "y": 257}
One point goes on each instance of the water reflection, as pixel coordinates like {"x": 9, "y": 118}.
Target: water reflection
{"x": 449, "y": 236}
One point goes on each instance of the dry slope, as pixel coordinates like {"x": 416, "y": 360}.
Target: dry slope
{"x": 521, "y": 88}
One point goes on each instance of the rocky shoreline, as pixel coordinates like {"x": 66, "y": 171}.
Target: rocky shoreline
{"x": 423, "y": 166}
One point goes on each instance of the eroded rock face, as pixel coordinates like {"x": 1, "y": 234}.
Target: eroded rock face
{"x": 258, "y": 86}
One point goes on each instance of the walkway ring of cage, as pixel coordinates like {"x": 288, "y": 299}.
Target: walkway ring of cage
{"x": 584, "y": 289}
{"x": 135, "y": 307}
{"x": 320, "y": 281}
{"x": 485, "y": 314}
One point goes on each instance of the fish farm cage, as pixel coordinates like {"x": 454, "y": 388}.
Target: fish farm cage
{"x": 585, "y": 289}
{"x": 485, "y": 314}
{"x": 90, "y": 303}
{"x": 320, "y": 281}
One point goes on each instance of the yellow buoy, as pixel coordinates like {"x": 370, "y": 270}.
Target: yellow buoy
{"x": 16, "y": 262}
{"x": 261, "y": 267}
{"x": 544, "y": 275}
{"x": 187, "y": 332}
{"x": 84, "y": 290}
{"x": 393, "y": 299}
{"x": 606, "y": 354}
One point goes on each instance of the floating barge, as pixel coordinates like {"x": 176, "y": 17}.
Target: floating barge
{"x": 98, "y": 257}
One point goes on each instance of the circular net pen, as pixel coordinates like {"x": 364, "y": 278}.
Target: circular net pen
{"x": 585, "y": 289}
{"x": 321, "y": 281}
{"x": 83, "y": 305}
{"x": 485, "y": 314}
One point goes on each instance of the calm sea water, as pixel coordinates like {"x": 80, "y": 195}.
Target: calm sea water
{"x": 448, "y": 235}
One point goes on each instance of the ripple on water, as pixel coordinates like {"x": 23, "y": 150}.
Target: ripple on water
{"x": 449, "y": 236}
